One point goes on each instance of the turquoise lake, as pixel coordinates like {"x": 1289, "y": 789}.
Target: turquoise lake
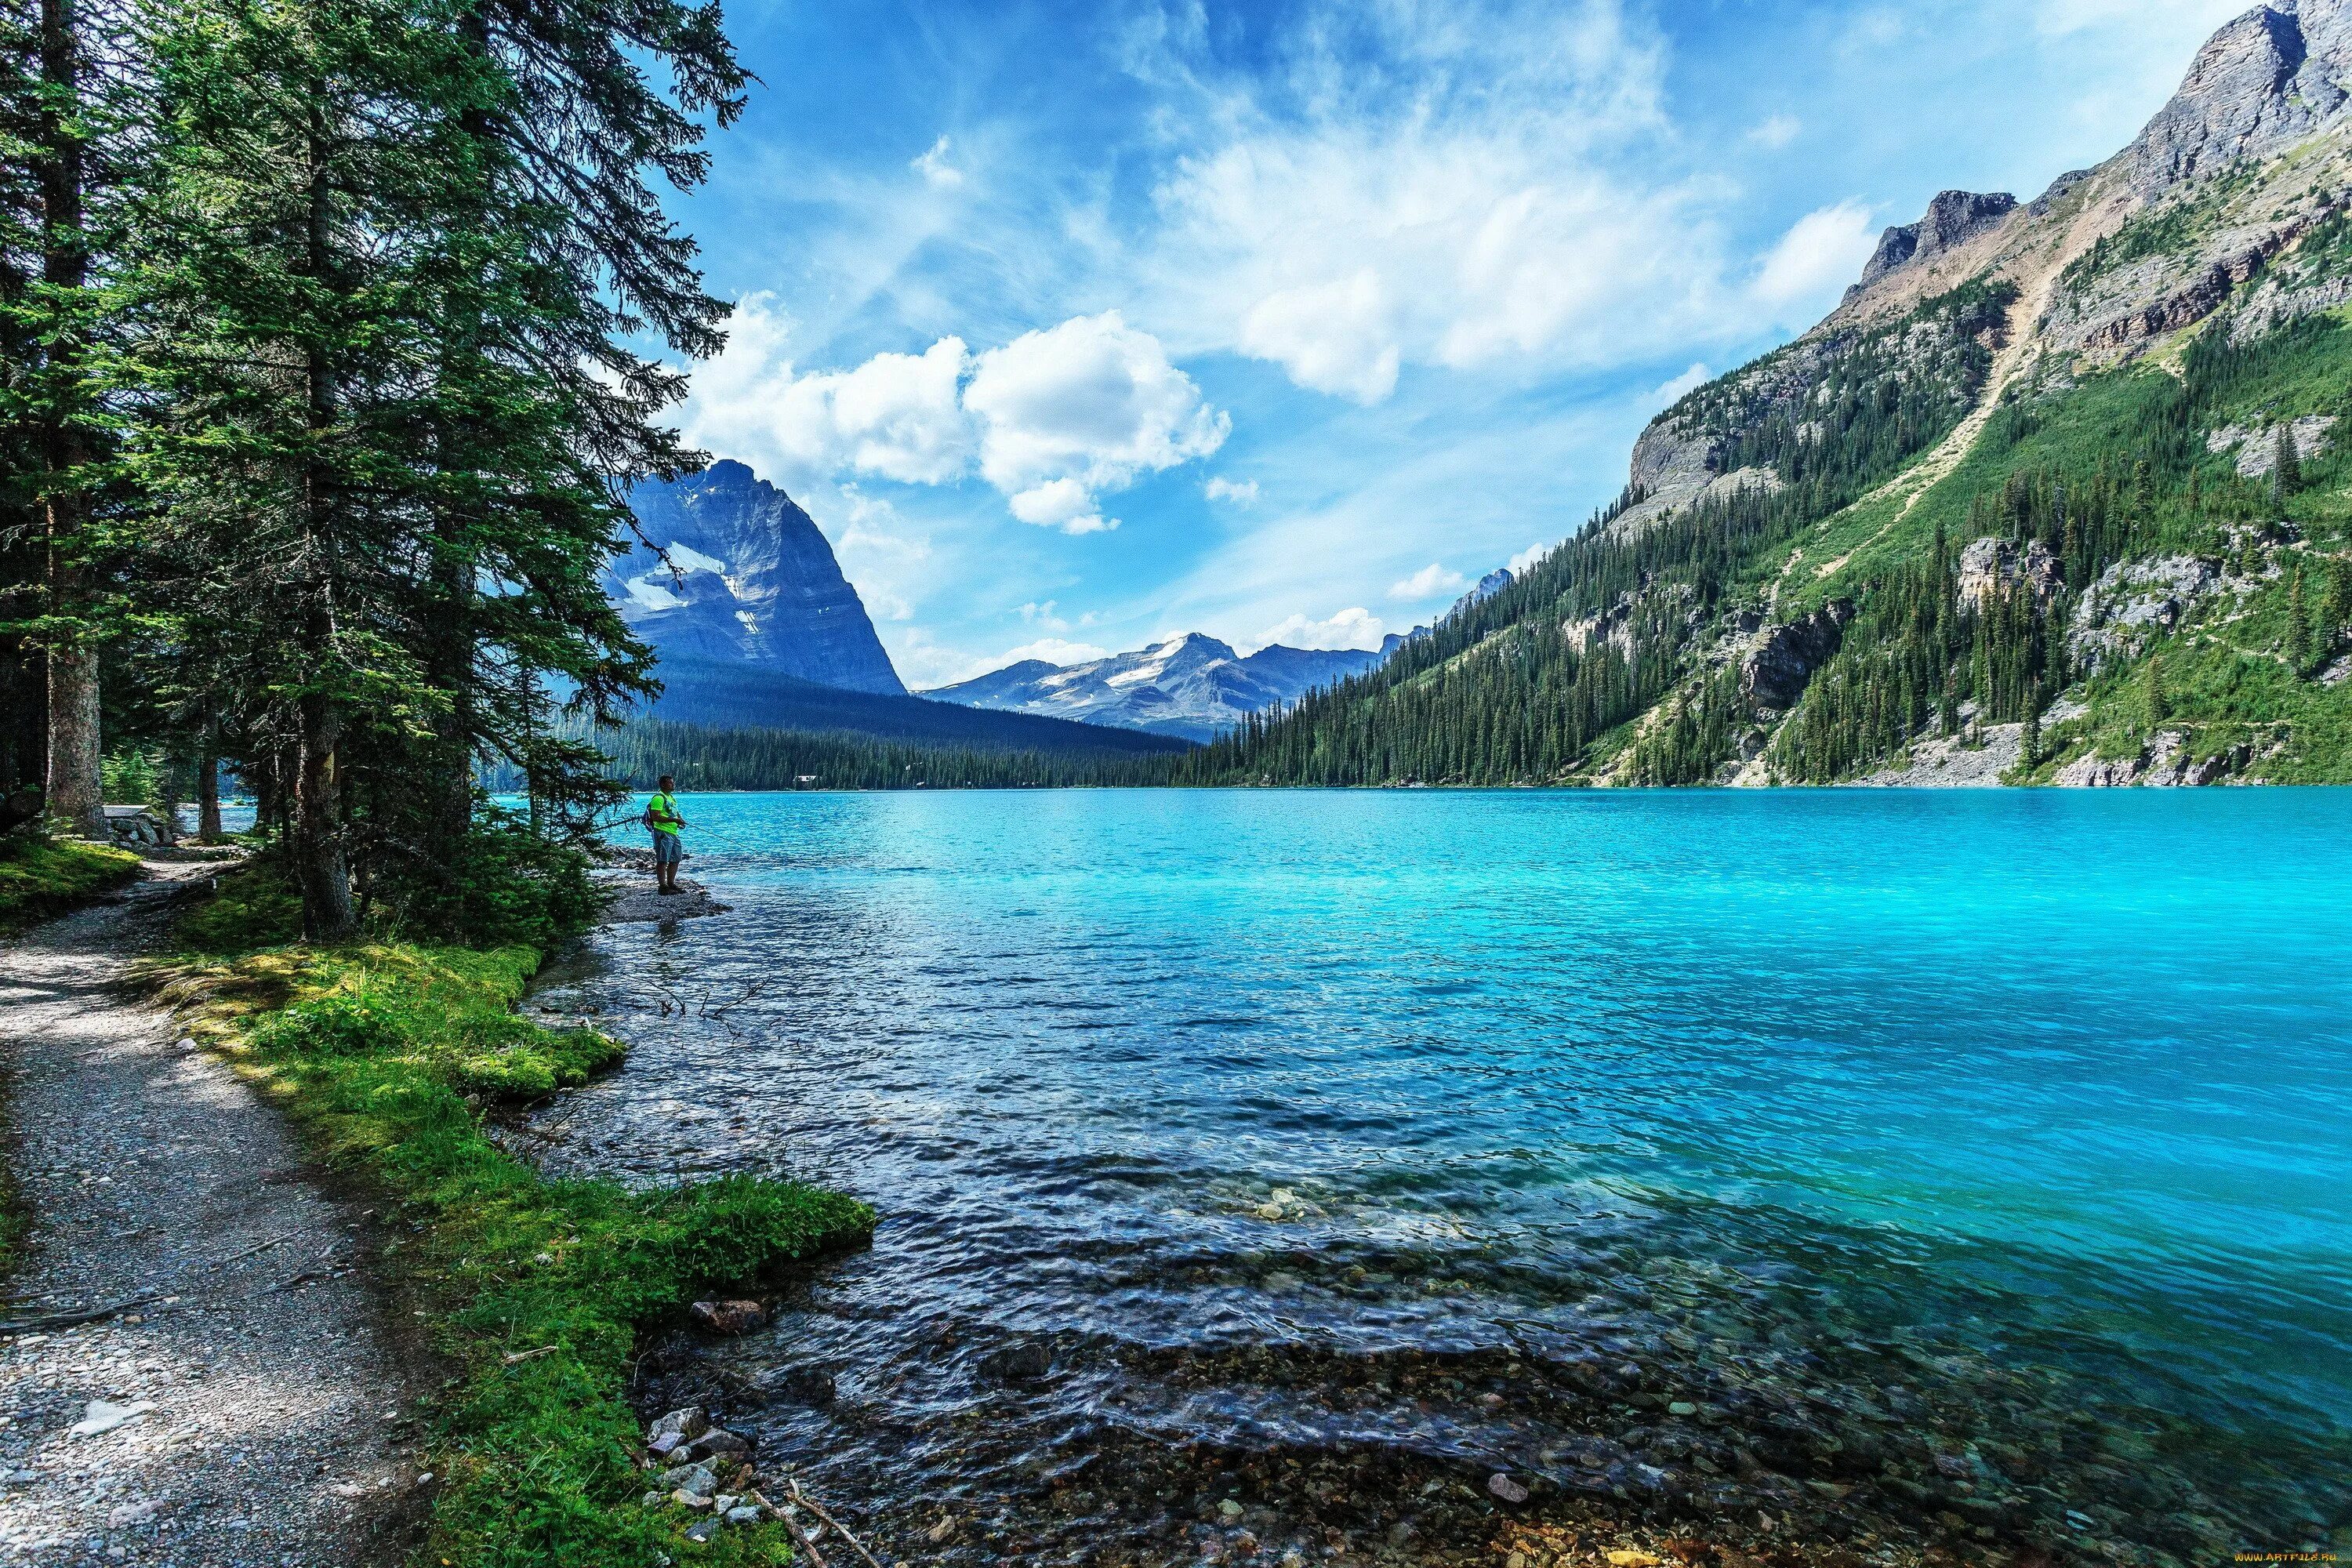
{"x": 1994, "y": 1140}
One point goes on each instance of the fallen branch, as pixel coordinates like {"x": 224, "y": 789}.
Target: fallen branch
{"x": 68, "y": 1320}
{"x": 515, "y": 1357}
{"x": 800, "y": 1537}
{"x": 93, "y": 1314}
{"x": 839, "y": 1529}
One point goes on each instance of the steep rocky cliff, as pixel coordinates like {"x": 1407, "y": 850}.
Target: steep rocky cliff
{"x": 747, "y": 584}
{"x": 1920, "y": 526}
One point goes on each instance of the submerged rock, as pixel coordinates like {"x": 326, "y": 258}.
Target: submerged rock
{"x": 729, "y": 1317}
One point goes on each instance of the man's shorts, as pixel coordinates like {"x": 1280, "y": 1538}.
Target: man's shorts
{"x": 668, "y": 850}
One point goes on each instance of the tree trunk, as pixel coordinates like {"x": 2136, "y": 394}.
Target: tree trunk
{"x": 167, "y": 787}
{"x": 209, "y": 826}
{"x": 321, "y": 863}
{"x": 75, "y": 796}
{"x": 456, "y": 579}
{"x": 76, "y": 800}
{"x": 321, "y": 869}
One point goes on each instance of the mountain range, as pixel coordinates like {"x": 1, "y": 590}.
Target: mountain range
{"x": 2054, "y": 495}
{"x": 1193, "y": 686}
{"x": 742, "y": 597}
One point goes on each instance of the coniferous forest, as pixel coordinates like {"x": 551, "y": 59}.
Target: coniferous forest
{"x": 326, "y": 326}
{"x": 1613, "y": 652}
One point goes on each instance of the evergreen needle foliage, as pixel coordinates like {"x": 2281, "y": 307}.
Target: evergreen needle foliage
{"x": 327, "y": 325}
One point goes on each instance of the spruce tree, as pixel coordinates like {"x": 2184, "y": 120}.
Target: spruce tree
{"x": 2336, "y": 603}
{"x": 2298, "y": 624}
{"x": 2286, "y": 472}
{"x": 50, "y": 305}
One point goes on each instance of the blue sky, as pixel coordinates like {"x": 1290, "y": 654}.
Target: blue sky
{"x": 1075, "y": 326}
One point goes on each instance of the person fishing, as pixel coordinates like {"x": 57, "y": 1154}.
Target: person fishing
{"x": 661, "y": 815}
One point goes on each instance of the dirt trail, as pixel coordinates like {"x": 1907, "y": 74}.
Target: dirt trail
{"x": 277, "y": 1432}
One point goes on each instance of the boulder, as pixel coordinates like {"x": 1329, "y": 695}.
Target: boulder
{"x": 1023, "y": 1361}
{"x": 682, "y": 1425}
{"x": 729, "y": 1317}
{"x": 1773, "y": 674}
{"x": 137, "y": 827}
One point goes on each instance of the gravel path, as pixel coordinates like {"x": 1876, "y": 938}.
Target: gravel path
{"x": 275, "y": 1435}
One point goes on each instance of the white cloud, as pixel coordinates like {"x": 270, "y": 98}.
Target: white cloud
{"x": 1081, "y": 408}
{"x": 1333, "y": 337}
{"x": 1355, "y": 627}
{"x": 1668, "y": 393}
{"x": 1484, "y": 192}
{"x": 1043, "y": 616}
{"x": 1092, "y": 399}
{"x": 1821, "y": 253}
{"x": 1241, "y": 492}
{"x": 1428, "y": 583}
{"x": 895, "y": 416}
{"x": 1529, "y": 557}
{"x": 1061, "y": 503}
{"x": 1776, "y": 132}
{"x": 933, "y": 165}
{"x": 1054, "y": 419}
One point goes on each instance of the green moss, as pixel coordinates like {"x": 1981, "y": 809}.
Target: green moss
{"x": 386, "y": 1057}
{"x": 43, "y": 878}
{"x": 253, "y": 906}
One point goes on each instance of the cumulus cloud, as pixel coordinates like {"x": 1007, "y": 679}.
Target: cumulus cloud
{"x": 1822, "y": 252}
{"x": 1061, "y": 503}
{"x": 896, "y": 416}
{"x": 1241, "y": 492}
{"x": 1054, "y": 419}
{"x": 1529, "y": 557}
{"x": 1357, "y": 628}
{"x": 1428, "y": 583}
{"x": 1333, "y": 337}
{"x": 1083, "y": 407}
{"x": 933, "y": 165}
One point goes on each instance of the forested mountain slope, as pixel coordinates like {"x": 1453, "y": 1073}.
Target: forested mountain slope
{"x": 2053, "y": 496}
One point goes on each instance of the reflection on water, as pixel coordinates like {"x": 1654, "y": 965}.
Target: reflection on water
{"x": 1965, "y": 1169}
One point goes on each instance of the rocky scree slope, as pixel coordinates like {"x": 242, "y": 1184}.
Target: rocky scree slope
{"x": 1915, "y": 524}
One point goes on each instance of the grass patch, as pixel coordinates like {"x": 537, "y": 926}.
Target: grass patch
{"x": 43, "y": 878}
{"x": 387, "y": 1055}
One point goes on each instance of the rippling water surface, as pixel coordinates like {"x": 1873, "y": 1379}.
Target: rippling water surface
{"x": 1972, "y": 1163}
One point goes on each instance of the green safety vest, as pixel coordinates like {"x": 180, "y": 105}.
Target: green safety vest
{"x": 663, "y": 810}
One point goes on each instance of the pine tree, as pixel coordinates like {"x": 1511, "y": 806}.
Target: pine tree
{"x": 2335, "y": 603}
{"x": 2298, "y": 624}
{"x": 54, "y": 308}
{"x": 2160, "y": 707}
{"x": 2286, "y": 472}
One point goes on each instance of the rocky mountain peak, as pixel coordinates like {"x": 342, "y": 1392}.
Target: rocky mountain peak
{"x": 2271, "y": 76}
{"x": 1952, "y": 219}
{"x": 741, "y": 578}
